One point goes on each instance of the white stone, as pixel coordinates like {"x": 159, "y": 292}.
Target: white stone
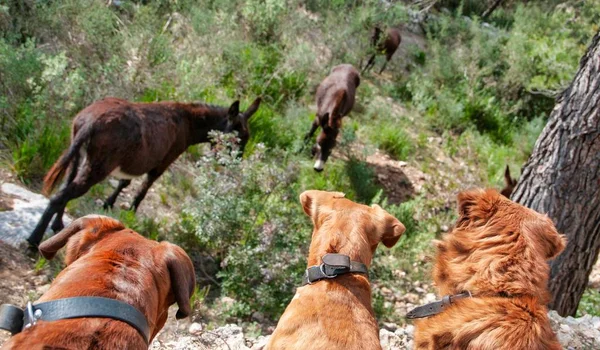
{"x": 17, "y": 224}
{"x": 195, "y": 328}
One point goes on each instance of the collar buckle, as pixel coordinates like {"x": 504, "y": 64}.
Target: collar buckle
{"x": 31, "y": 315}
{"x": 332, "y": 274}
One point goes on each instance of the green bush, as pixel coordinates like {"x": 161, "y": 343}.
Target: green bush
{"x": 589, "y": 304}
{"x": 393, "y": 140}
{"x": 249, "y": 218}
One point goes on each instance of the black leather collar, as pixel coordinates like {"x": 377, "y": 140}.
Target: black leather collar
{"x": 15, "y": 320}
{"x": 332, "y": 266}
{"x": 436, "y": 307}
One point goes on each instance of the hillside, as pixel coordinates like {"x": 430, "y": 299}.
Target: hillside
{"x": 461, "y": 99}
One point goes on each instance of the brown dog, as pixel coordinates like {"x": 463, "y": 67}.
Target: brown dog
{"x": 335, "y": 99}
{"x": 104, "y": 259}
{"x": 498, "y": 251}
{"x": 336, "y": 313}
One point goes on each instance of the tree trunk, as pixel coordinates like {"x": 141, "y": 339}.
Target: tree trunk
{"x": 491, "y": 9}
{"x": 562, "y": 179}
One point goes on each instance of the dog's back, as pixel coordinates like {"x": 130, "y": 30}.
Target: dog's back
{"x": 104, "y": 259}
{"x": 329, "y": 315}
{"x": 488, "y": 323}
{"x": 117, "y": 268}
{"x": 343, "y": 78}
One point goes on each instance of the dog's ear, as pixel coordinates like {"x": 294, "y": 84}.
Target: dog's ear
{"x": 311, "y": 200}
{"x": 392, "y": 229}
{"x": 182, "y": 275}
{"x": 544, "y": 235}
{"x": 476, "y": 206}
{"x": 94, "y": 225}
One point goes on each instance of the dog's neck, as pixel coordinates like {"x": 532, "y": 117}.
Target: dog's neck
{"x": 356, "y": 253}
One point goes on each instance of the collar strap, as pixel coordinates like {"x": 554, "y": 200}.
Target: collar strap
{"x": 15, "y": 320}
{"x": 436, "y": 307}
{"x": 333, "y": 265}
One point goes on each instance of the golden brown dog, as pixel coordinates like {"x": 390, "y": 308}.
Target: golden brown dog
{"x": 104, "y": 259}
{"x": 498, "y": 251}
{"x": 336, "y": 313}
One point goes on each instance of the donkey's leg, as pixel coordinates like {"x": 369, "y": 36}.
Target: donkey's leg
{"x": 110, "y": 201}
{"x": 312, "y": 130}
{"x": 383, "y": 67}
{"x": 57, "y": 206}
{"x": 38, "y": 232}
{"x": 150, "y": 178}
{"x": 84, "y": 180}
{"x": 370, "y": 63}
{"x": 58, "y": 224}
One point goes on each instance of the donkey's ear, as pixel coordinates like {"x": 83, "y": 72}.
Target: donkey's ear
{"x": 252, "y": 109}
{"x": 91, "y": 227}
{"x": 234, "y": 111}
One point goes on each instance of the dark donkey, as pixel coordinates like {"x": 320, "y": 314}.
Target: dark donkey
{"x": 124, "y": 139}
{"x": 335, "y": 99}
{"x": 387, "y": 46}
{"x": 509, "y": 183}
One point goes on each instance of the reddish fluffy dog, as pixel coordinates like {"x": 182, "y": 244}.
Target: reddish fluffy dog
{"x": 498, "y": 251}
{"x": 104, "y": 259}
{"x": 336, "y": 313}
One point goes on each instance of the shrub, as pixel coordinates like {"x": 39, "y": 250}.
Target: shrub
{"x": 249, "y": 219}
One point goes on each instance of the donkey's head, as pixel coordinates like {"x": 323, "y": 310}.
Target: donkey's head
{"x": 238, "y": 121}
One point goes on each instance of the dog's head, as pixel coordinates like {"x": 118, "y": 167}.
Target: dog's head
{"x": 83, "y": 234}
{"x": 344, "y": 227}
{"x": 498, "y": 247}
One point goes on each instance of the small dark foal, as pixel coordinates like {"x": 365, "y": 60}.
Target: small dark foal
{"x": 335, "y": 99}
{"x": 387, "y": 46}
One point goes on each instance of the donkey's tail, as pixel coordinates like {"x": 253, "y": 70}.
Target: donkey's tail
{"x": 59, "y": 168}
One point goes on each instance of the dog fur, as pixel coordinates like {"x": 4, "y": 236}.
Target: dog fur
{"x": 337, "y": 313}
{"x": 105, "y": 259}
{"x": 498, "y": 251}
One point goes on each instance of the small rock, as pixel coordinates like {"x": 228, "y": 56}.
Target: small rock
{"x": 195, "y": 328}
{"x": 227, "y": 300}
{"x": 124, "y": 206}
{"x": 386, "y": 291}
{"x": 429, "y": 298}
{"x": 390, "y": 326}
{"x": 99, "y": 202}
{"x": 261, "y": 343}
{"x": 40, "y": 280}
{"x": 114, "y": 183}
{"x": 258, "y": 316}
{"x": 42, "y": 289}
{"x": 412, "y": 298}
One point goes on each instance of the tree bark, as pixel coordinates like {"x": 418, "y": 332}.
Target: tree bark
{"x": 491, "y": 9}
{"x": 562, "y": 179}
